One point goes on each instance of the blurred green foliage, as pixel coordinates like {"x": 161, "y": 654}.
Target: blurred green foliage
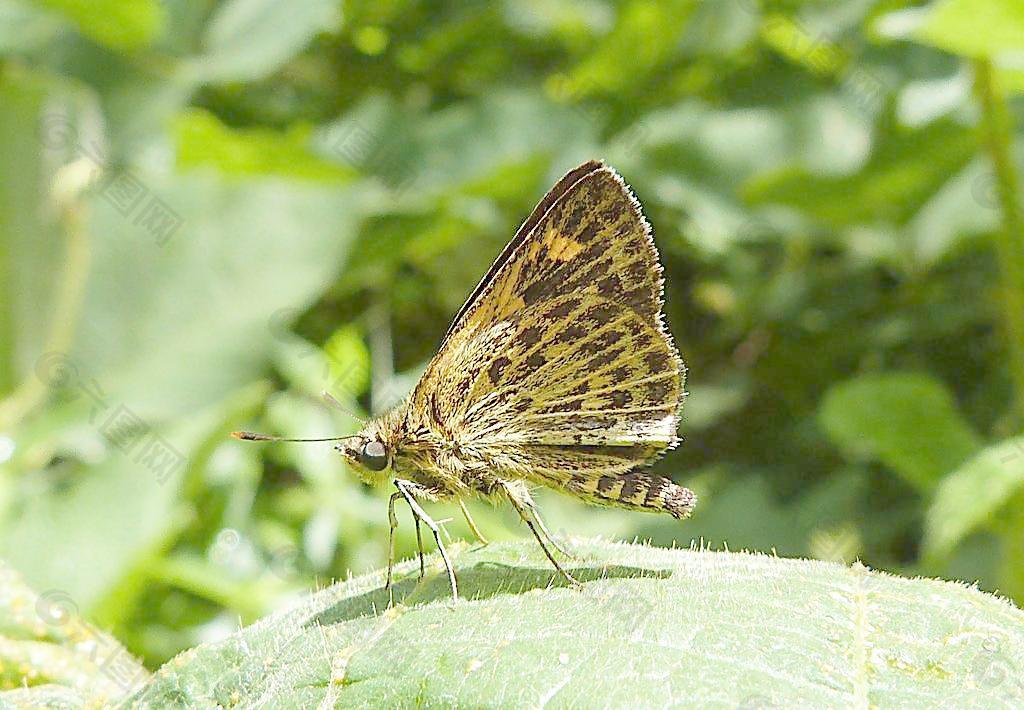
{"x": 211, "y": 211}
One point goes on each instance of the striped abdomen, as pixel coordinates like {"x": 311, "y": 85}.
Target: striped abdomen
{"x": 637, "y": 491}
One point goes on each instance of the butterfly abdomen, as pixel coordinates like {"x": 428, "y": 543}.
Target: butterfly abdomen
{"x": 637, "y": 491}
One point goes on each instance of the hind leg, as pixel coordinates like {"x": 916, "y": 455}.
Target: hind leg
{"x": 522, "y": 501}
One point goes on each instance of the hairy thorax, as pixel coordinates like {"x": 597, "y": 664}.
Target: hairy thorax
{"x": 433, "y": 458}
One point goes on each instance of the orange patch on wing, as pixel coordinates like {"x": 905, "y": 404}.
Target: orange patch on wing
{"x": 560, "y": 247}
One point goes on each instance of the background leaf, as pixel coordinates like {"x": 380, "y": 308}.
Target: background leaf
{"x": 972, "y": 494}
{"x": 982, "y": 30}
{"x": 118, "y": 25}
{"x": 249, "y": 39}
{"x": 906, "y": 420}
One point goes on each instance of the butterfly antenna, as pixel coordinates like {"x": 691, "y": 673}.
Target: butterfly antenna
{"x": 253, "y": 436}
{"x": 330, "y": 399}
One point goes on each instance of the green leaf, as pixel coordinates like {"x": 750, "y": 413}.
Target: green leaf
{"x": 972, "y": 494}
{"x": 243, "y": 252}
{"x": 249, "y": 39}
{"x": 349, "y": 360}
{"x": 203, "y": 140}
{"x": 908, "y": 421}
{"x": 114, "y": 24}
{"x": 905, "y": 170}
{"x": 649, "y": 627}
{"x": 87, "y": 520}
{"x": 801, "y": 45}
{"x": 981, "y": 29}
{"x": 45, "y": 643}
{"x": 644, "y": 37}
{"x": 200, "y": 290}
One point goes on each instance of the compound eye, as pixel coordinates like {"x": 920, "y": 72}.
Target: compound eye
{"x": 374, "y": 456}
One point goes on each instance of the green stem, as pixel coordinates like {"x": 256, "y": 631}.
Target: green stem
{"x": 1010, "y": 239}
{"x": 70, "y": 286}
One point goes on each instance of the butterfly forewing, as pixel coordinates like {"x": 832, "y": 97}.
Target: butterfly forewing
{"x": 559, "y": 364}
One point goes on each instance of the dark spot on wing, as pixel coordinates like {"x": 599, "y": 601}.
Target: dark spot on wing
{"x": 636, "y": 271}
{"x": 496, "y": 368}
{"x": 604, "y": 357}
{"x": 529, "y": 336}
{"x": 654, "y": 492}
{"x": 630, "y": 485}
{"x": 606, "y": 483}
{"x": 571, "y": 334}
{"x": 593, "y": 252}
{"x": 658, "y": 390}
{"x": 588, "y": 233}
{"x": 563, "y": 309}
{"x": 571, "y": 220}
{"x": 523, "y": 405}
{"x": 621, "y": 373}
{"x": 539, "y": 288}
{"x": 609, "y": 286}
{"x": 621, "y": 398}
{"x": 601, "y": 313}
{"x": 657, "y": 360}
{"x": 613, "y": 212}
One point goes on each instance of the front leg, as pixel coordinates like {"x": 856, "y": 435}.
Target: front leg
{"x": 409, "y": 490}
{"x": 392, "y": 525}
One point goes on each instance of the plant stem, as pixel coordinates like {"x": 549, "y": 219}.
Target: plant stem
{"x": 70, "y": 286}
{"x": 1010, "y": 239}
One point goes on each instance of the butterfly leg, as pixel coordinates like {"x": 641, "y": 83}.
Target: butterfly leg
{"x": 472, "y": 524}
{"x": 406, "y": 488}
{"x": 524, "y": 505}
{"x": 419, "y": 544}
{"x": 393, "y": 523}
{"x": 543, "y": 528}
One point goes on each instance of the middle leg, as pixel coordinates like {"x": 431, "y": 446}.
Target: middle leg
{"x": 472, "y": 524}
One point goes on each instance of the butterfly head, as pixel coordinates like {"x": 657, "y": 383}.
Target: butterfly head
{"x": 368, "y": 454}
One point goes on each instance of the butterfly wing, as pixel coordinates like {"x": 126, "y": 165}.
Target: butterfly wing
{"x": 558, "y": 367}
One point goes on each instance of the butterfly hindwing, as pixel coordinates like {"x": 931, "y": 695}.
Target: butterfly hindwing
{"x": 579, "y": 369}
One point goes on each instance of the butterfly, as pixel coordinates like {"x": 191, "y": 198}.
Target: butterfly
{"x": 558, "y": 371}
